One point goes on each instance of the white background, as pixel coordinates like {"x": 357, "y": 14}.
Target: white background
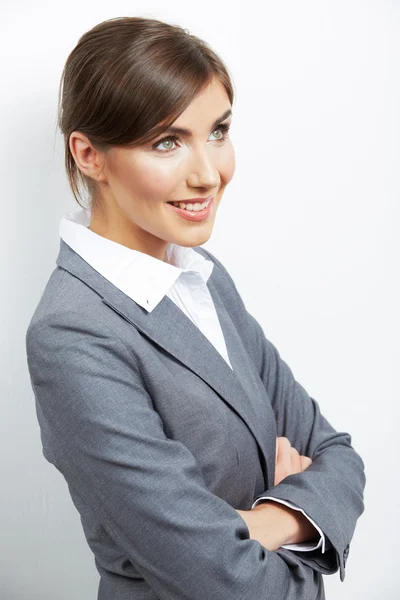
{"x": 306, "y": 228}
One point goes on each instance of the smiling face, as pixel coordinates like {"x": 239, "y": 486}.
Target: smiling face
{"x": 138, "y": 184}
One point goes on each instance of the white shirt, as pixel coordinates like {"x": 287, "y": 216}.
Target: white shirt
{"x": 145, "y": 279}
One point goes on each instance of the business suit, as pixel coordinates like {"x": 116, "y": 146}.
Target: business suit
{"x": 121, "y": 396}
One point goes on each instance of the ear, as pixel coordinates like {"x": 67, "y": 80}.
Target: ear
{"x": 88, "y": 159}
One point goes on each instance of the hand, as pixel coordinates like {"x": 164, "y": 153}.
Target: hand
{"x": 288, "y": 460}
{"x": 274, "y": 524}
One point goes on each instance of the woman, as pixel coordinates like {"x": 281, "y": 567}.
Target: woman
{"x": 200, "y": 467}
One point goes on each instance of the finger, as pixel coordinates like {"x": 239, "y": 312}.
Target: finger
{"x": 305, "y": 462}
{"x": 285, "y": 457}
{"x": 296, "y": 463}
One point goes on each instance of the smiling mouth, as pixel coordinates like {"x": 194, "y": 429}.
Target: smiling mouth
{"x": 194, "y": 205}
{"x": 201, "y": 212}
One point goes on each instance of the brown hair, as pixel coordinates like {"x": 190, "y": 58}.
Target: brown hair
{"x": 126, "y": 80}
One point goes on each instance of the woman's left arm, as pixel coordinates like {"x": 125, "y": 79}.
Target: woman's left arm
{"x": 331, "y": 489}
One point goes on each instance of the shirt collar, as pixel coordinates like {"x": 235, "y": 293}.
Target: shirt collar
{"x": 140, "y": 276}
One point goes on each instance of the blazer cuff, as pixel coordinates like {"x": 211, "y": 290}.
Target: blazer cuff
{"x": 302, "y": 546}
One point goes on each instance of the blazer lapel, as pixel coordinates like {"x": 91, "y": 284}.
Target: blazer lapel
{"x": 172, "y": 330}
{"x": 260, "y": 419}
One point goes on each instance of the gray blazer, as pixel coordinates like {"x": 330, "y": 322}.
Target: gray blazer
{"x": 159, "y": 441}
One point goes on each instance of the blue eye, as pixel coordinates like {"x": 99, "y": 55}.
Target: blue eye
{"x": 224, "y": 127}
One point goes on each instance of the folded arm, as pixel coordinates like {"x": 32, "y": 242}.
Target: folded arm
{"x": 101, "y": 431}
{"x": 330, "y": 491}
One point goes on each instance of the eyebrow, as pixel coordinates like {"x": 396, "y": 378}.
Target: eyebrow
{"x": 188, "y": 133}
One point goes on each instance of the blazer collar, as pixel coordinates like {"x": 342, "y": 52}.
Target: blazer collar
{"x": 168, "y": 327}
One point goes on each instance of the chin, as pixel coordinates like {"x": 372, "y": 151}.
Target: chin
{"x": 191, "y": 241}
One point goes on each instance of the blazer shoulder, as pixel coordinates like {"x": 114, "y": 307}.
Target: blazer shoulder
{"x": 61, "y": 294}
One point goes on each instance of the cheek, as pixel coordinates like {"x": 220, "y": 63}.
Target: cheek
{"x": 157, "y": 178}
{"x": 227, "y": 164}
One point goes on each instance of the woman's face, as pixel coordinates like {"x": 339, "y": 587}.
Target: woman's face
{"x": 137, "y": 184}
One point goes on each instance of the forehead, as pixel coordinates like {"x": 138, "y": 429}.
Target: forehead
{"x": 206, "y": 110}
{"x": 211, "y": 102}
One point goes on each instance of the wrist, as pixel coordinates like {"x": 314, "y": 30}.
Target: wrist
{"x": 305, "y": 530}
{"x": 283, "y": 519}
{"x": 293, "y": 525}
{"x": 271, "y": 524}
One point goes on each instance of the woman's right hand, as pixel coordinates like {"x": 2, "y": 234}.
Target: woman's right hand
{"x": 288, "y": 460}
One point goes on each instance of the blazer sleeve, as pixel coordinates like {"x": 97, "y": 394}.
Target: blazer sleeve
{"x": 101, "y": 431}
{"x": 331, "y": 489}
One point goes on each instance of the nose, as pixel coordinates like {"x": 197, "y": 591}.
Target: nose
{"x": 203, "y": 171}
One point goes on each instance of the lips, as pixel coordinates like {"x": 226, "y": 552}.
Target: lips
{"x": 191, "y": 200}
{"x": 192, "y": 215}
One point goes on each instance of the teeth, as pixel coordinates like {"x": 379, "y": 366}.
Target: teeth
{"x": 194, "y": 207}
